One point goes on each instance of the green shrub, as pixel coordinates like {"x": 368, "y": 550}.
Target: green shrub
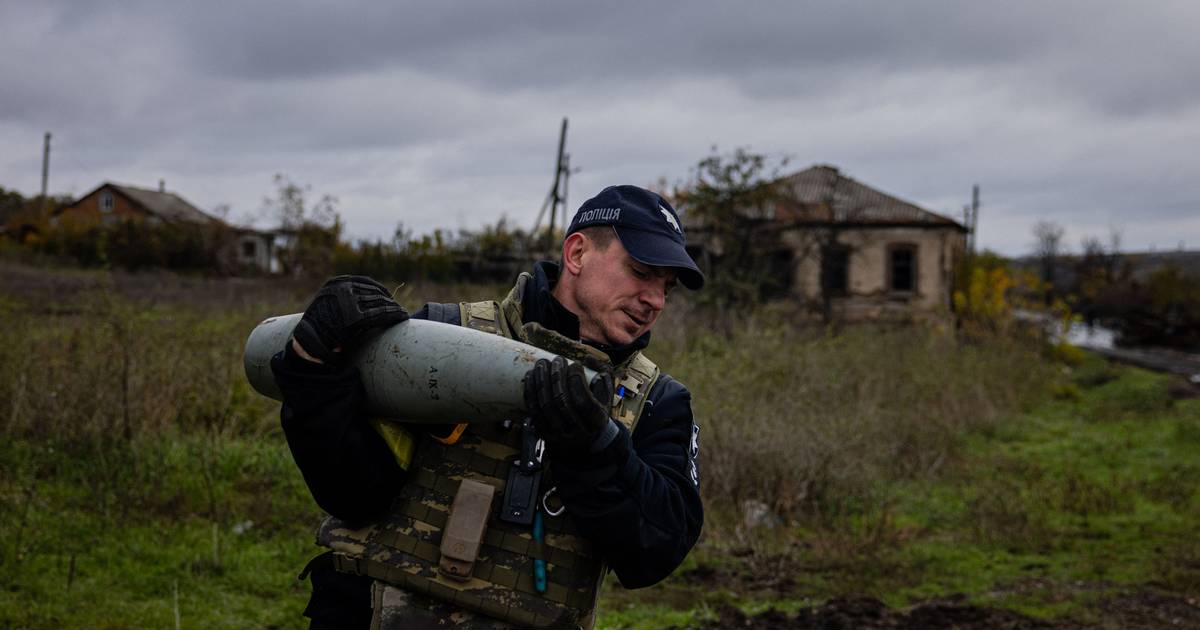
{"x": 1066, "y": 391}
{"x": 1067, "y": 354}
{"x": 1187, "y": 426}
{"x": 1003, "y": 511}
{"x": 1084, "y": 495}
{"x": 1135, "y": 393}
{"x": 1173, "y": 485}
{"x": 1093, "y": 370}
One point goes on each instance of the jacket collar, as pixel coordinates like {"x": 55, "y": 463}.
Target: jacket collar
{"x": 539, "y": 305}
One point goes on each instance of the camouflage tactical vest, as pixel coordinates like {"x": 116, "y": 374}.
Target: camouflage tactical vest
{"x": 403, "y": 549}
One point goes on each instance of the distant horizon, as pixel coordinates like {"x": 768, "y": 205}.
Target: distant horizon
{"x": 1068, "y": 247}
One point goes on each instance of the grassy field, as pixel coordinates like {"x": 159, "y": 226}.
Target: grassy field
{"x": 142, "y": 484}
{"x": 1082, "y": 509}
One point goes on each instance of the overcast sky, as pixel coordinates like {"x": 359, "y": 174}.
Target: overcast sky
{"x": 446, "y": 114}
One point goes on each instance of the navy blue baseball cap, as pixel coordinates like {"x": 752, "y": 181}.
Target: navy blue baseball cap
{"x": 647, "y": 226}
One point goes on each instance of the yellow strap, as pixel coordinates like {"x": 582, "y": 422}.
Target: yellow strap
{"x": 399, "y": 441}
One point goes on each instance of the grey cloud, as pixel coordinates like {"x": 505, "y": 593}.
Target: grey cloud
{"x": 1111, "y": 53}
{"x": 436, "y": 114}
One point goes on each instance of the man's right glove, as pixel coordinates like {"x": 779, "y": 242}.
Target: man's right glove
{"x": 343, "y": 309}
{"x": 568, "y": 413}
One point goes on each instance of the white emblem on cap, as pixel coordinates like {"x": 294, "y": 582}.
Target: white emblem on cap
{"x": 670, "y": 219}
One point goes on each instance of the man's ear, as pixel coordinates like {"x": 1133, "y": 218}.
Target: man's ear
{"x": 573, "y": 250}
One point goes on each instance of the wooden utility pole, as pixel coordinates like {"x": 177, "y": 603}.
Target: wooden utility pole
{"x": 557, "y": 199}
{"x": 555, "y": 190}
{"x": 566, "y": 185}
{"x": 971, "y": 219}
{"x": 45, "y": 170}
{"x": 974, "y": 216}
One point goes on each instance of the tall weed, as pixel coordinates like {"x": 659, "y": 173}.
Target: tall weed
{"x": 808, "y": 423}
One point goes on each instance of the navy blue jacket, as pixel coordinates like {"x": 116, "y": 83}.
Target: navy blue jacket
{"x": 638, "y": 499}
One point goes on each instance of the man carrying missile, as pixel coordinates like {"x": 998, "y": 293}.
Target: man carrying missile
{"x": 510, "y": 523}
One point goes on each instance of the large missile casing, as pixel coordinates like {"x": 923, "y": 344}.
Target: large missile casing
{"x": 418, "y": 370}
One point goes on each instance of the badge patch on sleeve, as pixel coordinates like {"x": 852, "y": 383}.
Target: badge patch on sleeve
{"x": 693, "y": 454}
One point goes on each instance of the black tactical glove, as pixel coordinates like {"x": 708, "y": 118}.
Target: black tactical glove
{"x": 344, "y": 309}
{"x": 567, "y": 413}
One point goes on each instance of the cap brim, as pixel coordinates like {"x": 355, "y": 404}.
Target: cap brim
{"x": 657, "y": 250}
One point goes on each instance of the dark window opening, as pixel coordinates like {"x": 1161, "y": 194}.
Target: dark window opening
{"x": 903, "y": 269}
{"x": 835, "y": 271}
{"x": 778, "y": 274}
{"x": 248, "y": 249}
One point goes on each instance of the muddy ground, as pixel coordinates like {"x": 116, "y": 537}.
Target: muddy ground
{"x": 1138, "y": 610}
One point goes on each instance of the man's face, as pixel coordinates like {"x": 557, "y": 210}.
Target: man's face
{"x": 619, "y": 297}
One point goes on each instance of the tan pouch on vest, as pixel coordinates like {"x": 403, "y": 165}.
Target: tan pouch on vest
{"x": 464, "y": 530}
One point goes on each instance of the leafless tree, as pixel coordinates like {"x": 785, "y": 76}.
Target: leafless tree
{"x": 1047, "y": 248}
{"x": 312, "y": 229}
{"x": 734, "y": 197}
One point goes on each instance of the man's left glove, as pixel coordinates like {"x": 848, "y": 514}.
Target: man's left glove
{"x": 343, "y": 309}
{"x": 568, "y": 413}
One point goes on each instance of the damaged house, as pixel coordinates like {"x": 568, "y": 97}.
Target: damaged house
{"x": 235, "y": 248}
{"x": 848, "y": 250}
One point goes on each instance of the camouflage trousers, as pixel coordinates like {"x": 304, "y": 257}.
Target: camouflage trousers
{"x": 394, "y": 608}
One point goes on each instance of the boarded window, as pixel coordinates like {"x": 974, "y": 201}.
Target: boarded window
{"x": 835, "y": 271}
{"x": 902, "y": 270}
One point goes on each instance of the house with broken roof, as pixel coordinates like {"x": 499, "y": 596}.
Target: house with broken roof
{"x": 848, "y": 250}
{"x": 237, "y": 247}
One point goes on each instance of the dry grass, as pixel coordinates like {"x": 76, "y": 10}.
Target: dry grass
{"x": 792, "y": 417}
{"x": 810, "y": 423}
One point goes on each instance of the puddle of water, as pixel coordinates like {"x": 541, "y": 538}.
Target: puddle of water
{"x": 1094, "y": 336}
{"x": 1104, "y": 340}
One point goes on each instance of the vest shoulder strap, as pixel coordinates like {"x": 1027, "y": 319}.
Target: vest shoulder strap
{"x": 634, "y": 382}
{"x": 483, "y": 316}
